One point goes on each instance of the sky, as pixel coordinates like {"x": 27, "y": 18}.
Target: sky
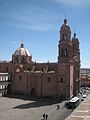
{"x": 37, "y": 23}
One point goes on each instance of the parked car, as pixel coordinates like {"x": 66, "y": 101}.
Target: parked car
{"x": 83, "y": 97}
{"x": 87, "y": 88}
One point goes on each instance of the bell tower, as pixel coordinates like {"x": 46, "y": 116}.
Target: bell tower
{"x": 76, "y": 50}
{"x": 76, "y": 59}
{"x": 65, "y": 45}
{"x": 68, "y": 60}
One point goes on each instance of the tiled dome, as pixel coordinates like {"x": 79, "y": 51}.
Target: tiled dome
{"x": 21, "y": 51}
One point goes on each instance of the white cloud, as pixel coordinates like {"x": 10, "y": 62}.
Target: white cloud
{"x": 34, "y": 27}
{"x": 78, "y": 3}
{"x": 33, "y": 19}
{"x": 16, "y": 42}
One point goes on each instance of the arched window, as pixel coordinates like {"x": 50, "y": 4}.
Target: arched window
{"x": 49, "y": 79}
{"x": 22, "y": 60}
{"x": 73, "y": 56}
{"x": 62, "y": 36}
{"x": 75, "y": 46}
{"x": 61, "y": 80}
{"x": 17, "y": 60}
{"x": 20, "y": 78}
{"x": 65, "y": 37}
{"x": 65, "y": 51}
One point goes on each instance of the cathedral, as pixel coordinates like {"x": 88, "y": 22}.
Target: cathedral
{"x": 60, "y": 79}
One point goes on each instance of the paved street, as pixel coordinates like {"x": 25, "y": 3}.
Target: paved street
{"x": 82, "y": 112}
{"x": 24, "y": 109}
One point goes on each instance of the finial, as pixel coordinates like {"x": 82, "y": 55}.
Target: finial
{"x": 22, "y": 45}
{"x": 74, "y": 34}
{"x": 65, "y": 20}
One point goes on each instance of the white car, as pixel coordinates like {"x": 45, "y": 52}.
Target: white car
{"x": 83, "y": 97}
{"x": 87, "y": 88}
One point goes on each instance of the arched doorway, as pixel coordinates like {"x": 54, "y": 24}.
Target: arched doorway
{"x": 33, "y": 92}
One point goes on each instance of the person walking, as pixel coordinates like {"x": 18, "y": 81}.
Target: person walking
{"x": 58, "y": 107}
{"x": 46, "y": 116}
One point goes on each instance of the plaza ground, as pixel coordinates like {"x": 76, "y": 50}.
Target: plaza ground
{"x": 29, "y": 109}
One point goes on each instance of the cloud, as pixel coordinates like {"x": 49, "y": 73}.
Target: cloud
{"x": 34, "y": 27}
{"x": 28, "y": 17}
{"x": 35, "y": 19}
{"x": 74, "y": 3}
{"x": 16, "y": 42}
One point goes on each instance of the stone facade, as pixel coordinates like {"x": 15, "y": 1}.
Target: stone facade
{"x": 60, "y": 79}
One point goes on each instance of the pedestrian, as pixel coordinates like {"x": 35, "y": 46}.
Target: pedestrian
{"x": 58, "y": 107}
{"x": 46, "y": 116}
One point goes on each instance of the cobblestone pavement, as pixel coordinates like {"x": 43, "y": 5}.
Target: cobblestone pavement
{"x": 21, "y": 109}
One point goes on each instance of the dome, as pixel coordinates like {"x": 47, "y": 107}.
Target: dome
{"x": 21, "y": 51}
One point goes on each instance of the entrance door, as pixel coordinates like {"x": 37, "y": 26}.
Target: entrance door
{"x": 33, "y": 92}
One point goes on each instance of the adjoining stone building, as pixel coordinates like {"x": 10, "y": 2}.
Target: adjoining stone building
{"x": 85, "y": 77}
{"x": 60, "y": 79}
{"x": 5, "y": 82}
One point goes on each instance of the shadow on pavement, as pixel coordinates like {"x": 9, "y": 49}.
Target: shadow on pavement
{"x": 34, "y": 101}
{"x": 33, "y": 104}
